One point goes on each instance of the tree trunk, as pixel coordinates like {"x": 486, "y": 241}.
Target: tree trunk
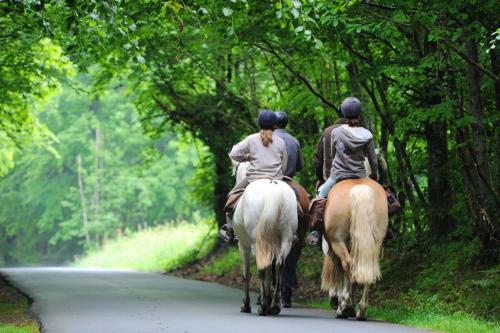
{"x": 439, "y": 191}
{"x": 487, "y": 207}
{"x": 222, "y": 183}
{"x": 82, "y": 200}
{"x": 495, "y": 66}
{"x": 97, "y": 170}
{"x": 94, "y": 206}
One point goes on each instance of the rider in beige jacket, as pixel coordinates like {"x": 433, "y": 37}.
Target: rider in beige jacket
{"x": 267, "y": 155}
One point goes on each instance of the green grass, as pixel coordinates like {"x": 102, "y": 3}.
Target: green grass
{"x": 14, "y": 317}
{"x": 457, "y": 322}
{"x": 17, "y": 329}
{"x": 224, "y": 264}
{"x": 158, "y": 249}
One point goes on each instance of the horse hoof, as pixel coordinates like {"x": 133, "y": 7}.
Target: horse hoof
{"x": 340, "y": 314}
{"x": 275, "y": 310}
{"x": 346, "y": 312}
{"x": 349, "y": 311}
{"x": 334, "y": 302}
{"x": 262, "y": 311}
{"x": 360, "y": 317}
{"x": 245, "y": 308}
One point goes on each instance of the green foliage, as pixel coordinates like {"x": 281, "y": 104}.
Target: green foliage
{"x": 447, "y": 278}
{"x": 229, "y": 261}
{"x": 208, "y": 67}
{"x": 136, "y": 182}
{"x": 158, "y": 249}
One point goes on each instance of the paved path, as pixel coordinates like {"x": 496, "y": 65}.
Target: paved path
{"x": 69, "y": 300}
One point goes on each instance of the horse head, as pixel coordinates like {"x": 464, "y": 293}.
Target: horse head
{"x": 239, "y": 170}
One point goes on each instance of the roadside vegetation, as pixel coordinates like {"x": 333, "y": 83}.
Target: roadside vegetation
{"x": 14, "y": 316}
{"x": 157, "y": 249}
{"x": 446, "y": 287}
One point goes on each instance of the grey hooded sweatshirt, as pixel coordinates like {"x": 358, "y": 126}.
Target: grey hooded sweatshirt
{"x": 351, "y": 145}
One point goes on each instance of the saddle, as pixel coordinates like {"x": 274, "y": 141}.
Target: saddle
{"x": 301, "y": 195}
{"x": 318, "y": 205}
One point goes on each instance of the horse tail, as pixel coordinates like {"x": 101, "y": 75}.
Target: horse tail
{"x": 330, "y": 274}
{"x": 327, "y": 274}
{"x": 268, "y": 240}
{"x": 365, "y": 238}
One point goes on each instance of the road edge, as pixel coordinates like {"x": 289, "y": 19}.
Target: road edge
{"x": 5, "y": 277}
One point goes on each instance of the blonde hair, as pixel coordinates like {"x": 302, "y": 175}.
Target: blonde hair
{"x": 354, "y": 122}
{"x": 266, "y": 136}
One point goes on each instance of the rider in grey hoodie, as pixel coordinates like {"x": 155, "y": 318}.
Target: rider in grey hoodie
{"x": 351, "y": 143}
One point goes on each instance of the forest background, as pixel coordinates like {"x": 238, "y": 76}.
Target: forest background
{"x": 80, "y": 80}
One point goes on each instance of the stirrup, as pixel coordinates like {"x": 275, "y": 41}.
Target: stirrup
{"x": 314, "y": 239}
{"x": 226, "y": 233}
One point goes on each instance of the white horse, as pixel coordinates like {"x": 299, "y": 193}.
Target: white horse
{"x": 265, "y": 220}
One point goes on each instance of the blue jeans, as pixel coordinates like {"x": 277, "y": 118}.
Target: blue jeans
{"x": 326, "y": 187}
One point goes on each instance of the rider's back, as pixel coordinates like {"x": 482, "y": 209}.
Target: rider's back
{"x": 352, "y": 144}
{"x": 265, "y": 161}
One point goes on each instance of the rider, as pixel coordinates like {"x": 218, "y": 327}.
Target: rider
{"x": 323, "y": 156}
{"x": 295, "y": 163}
{"x": 350, "y": 144}
{"x": 267, "y": 155}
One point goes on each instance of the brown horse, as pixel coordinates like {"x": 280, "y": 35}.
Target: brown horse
{"x": 355, "y": 225}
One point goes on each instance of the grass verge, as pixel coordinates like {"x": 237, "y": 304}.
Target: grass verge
{"x": 159, "y": 249}
{"x": 14, "y": 317}
{"x": 444, "y": 287}
{"x": 457, "y": 322}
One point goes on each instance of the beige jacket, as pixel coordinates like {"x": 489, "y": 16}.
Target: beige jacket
{"x": 264, "y": 161}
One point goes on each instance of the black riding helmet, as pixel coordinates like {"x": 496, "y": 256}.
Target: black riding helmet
{"x": 267, "y": 120}
{"x": 351, "y": 107}
{"x": 281, "y": 119}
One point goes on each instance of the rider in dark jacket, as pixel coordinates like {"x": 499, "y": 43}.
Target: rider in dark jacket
{"x": 295, "y": 163}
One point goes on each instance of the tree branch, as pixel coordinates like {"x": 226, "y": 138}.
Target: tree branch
{"x": 303, "y": 78}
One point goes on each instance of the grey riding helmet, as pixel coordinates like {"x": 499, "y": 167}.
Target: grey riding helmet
{"x": 281, "y": 119}
{"x": 267, "y": 120}
{"x": 351, "y": 107}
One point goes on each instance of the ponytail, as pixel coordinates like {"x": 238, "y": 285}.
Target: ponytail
{"x": 354, "y": 122}
{"x": 266, "y": 136}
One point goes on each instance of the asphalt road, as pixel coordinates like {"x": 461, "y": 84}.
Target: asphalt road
{"x": 68, "y": 300}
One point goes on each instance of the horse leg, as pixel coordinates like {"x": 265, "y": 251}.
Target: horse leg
{"x": 346, "y": 308}
{"x": 264, "y": 301}
{"x": 245, "y": 256}
{"x": 269, "y": 285}
{"x": 334, "y": 298}
{"x": 276, "y": 302}
{"x": 363, "y": 304}
{"x": 336, "y": 289}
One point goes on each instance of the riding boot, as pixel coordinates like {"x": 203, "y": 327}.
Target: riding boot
{"x": 226, "y": 232}
{"x": 316, "y": 212}
{"x": 315, "y": 238}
